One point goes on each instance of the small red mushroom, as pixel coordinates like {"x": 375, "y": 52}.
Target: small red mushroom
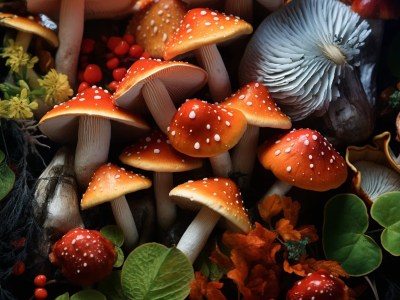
{"x": 85, "y": 256}
{"x": 319, "y": 285}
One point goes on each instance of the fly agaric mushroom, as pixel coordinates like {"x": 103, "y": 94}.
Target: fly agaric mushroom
{"x": 154, "y": 153}
{"x": 200, "y": 30}
{"x": 154, "y": 25}
{"x": 305, "y": 159}
{"x": 254, "y": 101}
{"x": 85, "y": 256}
{"x": 111, "y": 183}
{"x": 319, "y": 285}
{"x": 381, "y": 9}
{"x": 217, "y": 197}
{"x": 300, "y": 52}
{"x": 89, "y": 118}
{"x": 159, "y": 81}
{"x": 202, "y": 129}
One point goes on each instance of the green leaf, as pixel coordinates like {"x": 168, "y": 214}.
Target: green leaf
{"x": 64, "y": 296}
{"x": 386, "y": 211}
{"x": 88, "y": 294}
{"x": 153, "y": 271}
{"x": 111, "y": 287}
{"x": 344, "y": 239}
{"x": 120, "y": 257}
{"x": 7, "y": 177}
{"x": 114, "y": 234}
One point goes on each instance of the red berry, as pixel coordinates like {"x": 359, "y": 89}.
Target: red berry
{"x": 112, "y": 42}
{"x": 112, "y": 63}
{"x": 121, "y": 48}
{"x": 113, "y": 85}
{"x": 18, "y": 268}
{"x": 83, "y": 86}
{"x": 119, "y": 73}
{"x": 92, "y": 74}
{"x": 40, "y": 280}
{"x": 40, "y": 294}
{"x": 129, "y": 38}
{"x": 87, "y": 45}
{"x": 146, "y": 54}
{"x": 135, "y": 51}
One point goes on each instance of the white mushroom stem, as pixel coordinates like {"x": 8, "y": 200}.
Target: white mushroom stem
{"x": 196, "y": 235}
{"x": 244, "y": 155}
{"x": 159, "y": 103}
{"x": 94, "y": 136}
{"x": 70, "y": 36}
{"x": 125, "y": 221}
{"x": 166, "y": 209}
{"x": 221, "y": 164}
{"x": 219, "y": 82}
{"x": 279, "y": 188}
{"x": 240, "y": 8}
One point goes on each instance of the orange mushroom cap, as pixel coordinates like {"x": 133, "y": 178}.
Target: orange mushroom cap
{"x": 255, "y": 102}
{"x": 110, "y": 182}
{"x": 219, "y": 194}
{"x": 155, "y": 153}
{"x": 305, "y": 159}
{"x": 201, "y": 27}
{"x": 202, "y": 129}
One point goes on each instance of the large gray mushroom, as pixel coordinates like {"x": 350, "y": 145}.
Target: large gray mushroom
{"x": 300, "y": 52}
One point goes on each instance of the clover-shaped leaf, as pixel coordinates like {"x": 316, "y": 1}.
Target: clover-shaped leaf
{"x": 153, "y": 271}
{"x": 386, "y": 211}
{"x": 344, "y": 239}
{"x": 7, "y": 177}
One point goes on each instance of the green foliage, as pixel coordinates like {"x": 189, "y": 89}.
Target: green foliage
{"x": 88, "y": 294}
{"x": 114, "y": 234}
{"x": 153, "y": 271}
{"x": 394, "y": 100}
{"x": 344, "y": 239}
{"x": 111, "y": 287}
{"x": 296, "y": 248}
{"x": 7, "y": 177}
{"x": 386, "y": 211}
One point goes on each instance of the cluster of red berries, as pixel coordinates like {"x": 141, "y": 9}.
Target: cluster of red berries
{"x": 108, "y": 66}
{"x": 40, "y": 290}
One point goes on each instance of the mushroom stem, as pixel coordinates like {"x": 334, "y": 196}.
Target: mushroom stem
{"x": 196, "y": 235}
{"x": 279, "y": 188}
{"x": 219, "y": 82}
{"x": 221, "y": 164}
{"x": 70, "y": 36}
{"x": 124, "y": 219}
{"x": 23, "y": 39}
{"x": 244, "y": 155}
{"x": 166, "y": 209}
{"x": 159, "y": 103}
{"x": 240, "y": 8}
{"x": 271, "y": 5}
{"x": 94, "y": 136}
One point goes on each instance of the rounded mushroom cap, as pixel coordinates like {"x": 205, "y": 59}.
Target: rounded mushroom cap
{"x": 201, "y": 27}
{"x": 180, "y": 78}
{"x": 155, "y": 153}
{"x": 219, "y": 194}
{"x": 61, "y": 123}
{"x": 202, "y": 129}
{"x": 300, "y": 51}
{"x": 110, "y": 182}
{"x": 255, "y": 102}
{"x": 305, "y": 159}
{"x": 29, "y": 25}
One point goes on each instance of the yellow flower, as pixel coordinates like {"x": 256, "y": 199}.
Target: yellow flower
{"x": 4, "y": 108}
{"x": 17, "y": 58}
{"x": 56, "y": 87}
{"x": 20, "y": 107}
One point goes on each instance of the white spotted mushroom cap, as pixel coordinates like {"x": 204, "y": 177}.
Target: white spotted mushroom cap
{"x": 201, "y": 27}
{"x": 110, "y": 182}
{"x": 305, "y": 159}
{"x": 219, "y": 194}
{"x": 255, "y": 102}
{"x": 155, "y": 153}
{"x": 60, "y": 124}
{"x": 202, "y": 129}
{"x": 181, "y": 79}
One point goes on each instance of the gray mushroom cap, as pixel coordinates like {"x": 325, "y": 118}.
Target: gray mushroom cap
{"x": 299, "y": 53}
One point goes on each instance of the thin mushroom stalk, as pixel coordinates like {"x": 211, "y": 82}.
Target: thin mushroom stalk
{"x": 166, "y": 209}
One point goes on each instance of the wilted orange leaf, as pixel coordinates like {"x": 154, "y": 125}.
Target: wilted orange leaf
{"x": 201, "y": 288}
{"x": 239, "y": 273}
{"x": 269, "y": 207}
{"x": 287, "y": 231}
{"x": 308, "y": 231}
{"x": 290, "y": 210}
{"x": 296, "y": 268}
{"x": 221, "y": 259}
{"x": 331, "y": 266}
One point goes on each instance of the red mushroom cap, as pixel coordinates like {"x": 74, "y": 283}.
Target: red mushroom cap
{"x": 255, "y": 102}
{"x": 319, "y": 285}
{"x": 155, "y": 153}
{"x": 305, "y": 159}
{"x": 202, "y": 129}
{"x": 61, "y": 123}
{"x": 85, "y": 256}
{"x": 201, "y": 27}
